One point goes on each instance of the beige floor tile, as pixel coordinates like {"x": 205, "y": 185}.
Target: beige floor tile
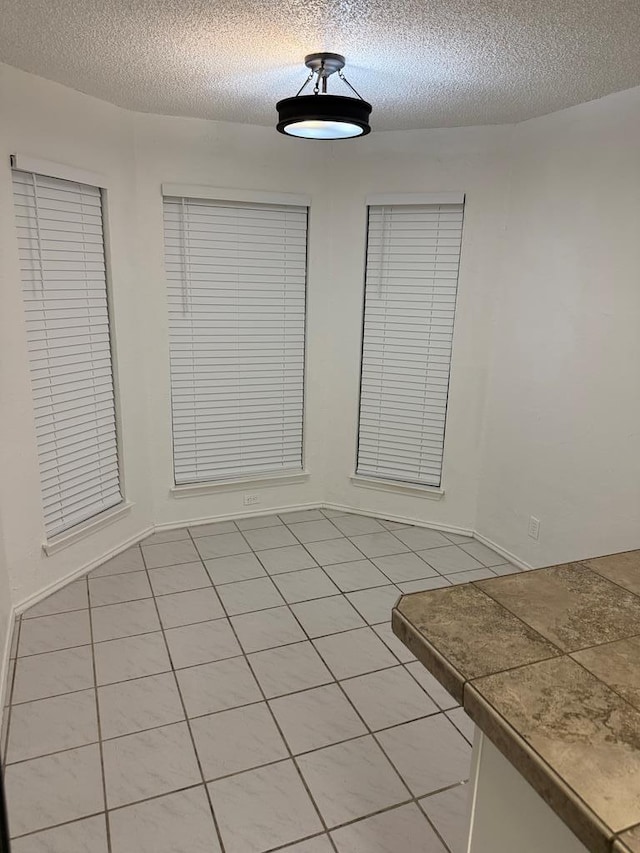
{"x": 217, "y": 686}
{"x": 149, "y": 763}
{"x": 430, "y": 753}
{"x": 316, "y": 718}
{"x": 168, "y": 824}
{"x": 124, "y": 620}
{"x": 264, "y": 808}
{"x": 143, "y": 703}
{"x": 236, "y": 740}
{"x": 289, "y": 668}
{"x": 404, "y": 828}
{"x": 53, "y": 673}
{"x": 80, "y": 836}
{"x": 351, "y": 780}
{"x": 51, "y": 725}
{"x": 44, "y": 792}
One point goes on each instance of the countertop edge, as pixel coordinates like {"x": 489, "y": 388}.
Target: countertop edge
{"x": 628, "y": 841}
{"x": 451, "y": 678}
{"x": 547, "y": 783}
{"x": 554, "y": 603}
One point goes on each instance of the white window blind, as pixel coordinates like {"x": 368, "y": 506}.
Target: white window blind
{"x": 237, "y": 283}
{"x": 413, "y": 253}
{"x": 62, "y": 261}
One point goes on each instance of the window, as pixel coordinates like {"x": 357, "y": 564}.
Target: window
{"x": 64, "y": 285}
{"x": 413, "y": 252}
{"x": 236, "y": 275}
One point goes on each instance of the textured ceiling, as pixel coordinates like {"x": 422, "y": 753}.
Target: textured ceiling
{"x": 421, "y": 63}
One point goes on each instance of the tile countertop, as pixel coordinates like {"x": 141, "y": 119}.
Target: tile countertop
{"x": 547, "y": 664}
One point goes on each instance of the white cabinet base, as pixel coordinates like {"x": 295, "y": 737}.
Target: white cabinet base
{"x": 507, "y": 815}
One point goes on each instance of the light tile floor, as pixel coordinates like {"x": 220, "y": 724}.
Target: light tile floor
{"x": 236, "y": 687}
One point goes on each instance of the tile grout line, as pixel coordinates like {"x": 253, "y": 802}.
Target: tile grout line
{"x": 342, "y": 536}
{"x": 447, "y": 714}
{"x": 317, "y": 565}
{"x": 35, "y": 832}
{"x": 280, "y": 732}
{"x": 563, "y": 652}
{"x": 367, "y": 727}
{"x": 372, "y": 734}
{"x": 244, "y": 654}
{"x": 288, "y": 605}
{"x": 340, "y": 591}
{"x": 198, "y": 785}
{"x": 261, "y": 610}
{"x": 99, "y": 726}
{"x": 280, "y": 524}
{"x": 364, "y": 557}
{"x": 214, "y": 586}
{"x": 332, "y": 683}
{"x": 257, "y": 552}
{"x": 186, "y": 717}
{"x": 367, "y": 625}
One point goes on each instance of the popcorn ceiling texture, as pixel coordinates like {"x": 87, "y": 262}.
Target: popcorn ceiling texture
{"x": 422, "y": 63}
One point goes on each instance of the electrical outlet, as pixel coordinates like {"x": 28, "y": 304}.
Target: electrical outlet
{"x": 534, "y": 527}
{"x": 250, "y": 500}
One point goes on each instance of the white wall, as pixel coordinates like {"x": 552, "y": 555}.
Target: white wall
{"x": 475, "y": 161}
{"x": 49, "y": 121}
{"x": 193, "y": 151}
{"x": 136, "y": 153}
{"x": 562, "y": 434}
{"x": 547, "y": 309}
{"x": 338, "y": 177}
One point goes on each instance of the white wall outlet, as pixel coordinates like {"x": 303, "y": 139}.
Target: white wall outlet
{"x": 250, "y": 500}
{"x": 534, "y": 527}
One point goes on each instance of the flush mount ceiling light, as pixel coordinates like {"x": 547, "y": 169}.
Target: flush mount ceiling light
{"x": 324, "y": 116}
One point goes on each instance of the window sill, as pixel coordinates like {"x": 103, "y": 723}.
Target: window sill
{"x": 432, "y": 493}
{"x": 85, "y": 529}
{"x": 194, "y": 489}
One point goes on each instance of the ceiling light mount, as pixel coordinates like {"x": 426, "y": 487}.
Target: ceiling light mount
{"x": 324, "y": 116}
{"x": 324, "y": 64}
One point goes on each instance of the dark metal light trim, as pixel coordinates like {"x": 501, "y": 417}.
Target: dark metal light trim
{"x": 324, "y": 108}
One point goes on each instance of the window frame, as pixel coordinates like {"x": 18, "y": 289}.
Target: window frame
{"x": 55, "y": 542}
{"x": 258, "y": 197}
{"x": 369, "y": 481}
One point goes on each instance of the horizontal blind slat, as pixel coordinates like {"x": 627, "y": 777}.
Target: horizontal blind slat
{"x": 62, "y": 263}
{"x": 236, "y": 284}
{"x": 413, "y": 255}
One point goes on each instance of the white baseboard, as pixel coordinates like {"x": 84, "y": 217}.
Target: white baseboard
{"x": 26, "y": 603}
{"x": 246, "y": 513}
{"x": 7, "y": 668}
{"x": 502, "y": 551}
{"x": 402, "y": 519}
{"x": 434, "y": 525}
{"x": 6, "y": 658}
{"x": 31, "y": 600}
{"x": 194, "y": 522}
{"x": 5, "y": 663}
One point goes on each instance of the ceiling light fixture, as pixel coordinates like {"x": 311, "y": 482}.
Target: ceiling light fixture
{"x": 324, "y": 116}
